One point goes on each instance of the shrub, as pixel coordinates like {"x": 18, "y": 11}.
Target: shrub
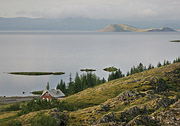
{"x": 13, "y": 123}
{"x": 13, "y": 107}
{"x": 43, "y": 120}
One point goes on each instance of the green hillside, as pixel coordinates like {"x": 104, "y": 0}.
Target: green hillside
{"x": 147, "y": 98}
{"x": 127, "y": 28}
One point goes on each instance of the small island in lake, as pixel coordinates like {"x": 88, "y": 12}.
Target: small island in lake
{"x": 37, "y": 73}
{"x": 175, "y": 41}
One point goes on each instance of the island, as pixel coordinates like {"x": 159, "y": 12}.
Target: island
{"x": 175, "y": 41}
{"x": 36, "y": 73}
{"x": 127, "y": 28}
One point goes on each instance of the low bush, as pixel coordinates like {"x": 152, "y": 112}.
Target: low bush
{"x": 43, "y": 120}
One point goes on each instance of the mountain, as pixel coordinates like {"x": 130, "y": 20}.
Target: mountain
{"x": 21, "y": 23}
{"x": 150, "y": 98}
{"x": 127, "y": 28}
{"x": 76, "y": 23}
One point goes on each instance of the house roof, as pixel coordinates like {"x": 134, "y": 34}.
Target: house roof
{"x": 55, "y": 93}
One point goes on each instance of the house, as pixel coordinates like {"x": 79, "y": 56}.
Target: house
{"x": 53, "y": 93}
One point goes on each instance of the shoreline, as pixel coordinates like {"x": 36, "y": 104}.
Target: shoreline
{"x": 14, "y": 99}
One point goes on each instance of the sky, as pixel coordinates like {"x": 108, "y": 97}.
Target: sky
{"x": 94, "y": 9}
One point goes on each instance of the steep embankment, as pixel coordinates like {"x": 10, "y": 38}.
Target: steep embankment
{"x": 127, "y": 28}
{"x": 141, "y": 99}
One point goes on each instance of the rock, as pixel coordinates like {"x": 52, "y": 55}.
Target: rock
{"x": 170, "y": 117}
{"x": 133, "y": 111}
{"x": 127, "y": 95}
{"x": 104, "y": 107}
{"x": 110, "y": 117}
{"x": 61, "y": 117}
{"x": 143, "y": 120}
{"x": 164, "y": 102}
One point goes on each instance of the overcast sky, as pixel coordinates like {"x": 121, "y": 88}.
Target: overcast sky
{"x": 99, "y": 9}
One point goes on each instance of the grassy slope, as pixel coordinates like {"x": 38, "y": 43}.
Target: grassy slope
{"x": 6, "y": 117}
{"x": 97, "y": 102}
{"x": 107, "y": 94}
{"x": 103, "y": 92}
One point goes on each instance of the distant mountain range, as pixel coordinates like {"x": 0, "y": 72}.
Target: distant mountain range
{"x": 127, "y": 28}
{"x": 78, "y": 23}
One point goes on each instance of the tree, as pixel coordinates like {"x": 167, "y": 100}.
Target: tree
{"x": 166, "y": 63}
{"x": 70, "y": 85}
{"x": 140, "y": 67}
{"x": 77, "y": 83}
{"x": 62, "y": 87}
{"x": 128, "y": 73}
{"x": 176, "y": 60}
{"x": 47, "y": 86}
{"x": 150, "y": 67}
{"x": 103, "y": 80}
{"x": 159, "y": 64}
{"x": 115, "y": 75}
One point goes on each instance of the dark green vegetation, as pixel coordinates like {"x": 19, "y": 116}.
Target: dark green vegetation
{"x": 80, "y": 83}
{"x": 150, "y": 96}
{"x": 115, "y": 75}
{"x": 43, "y": 120}
{"x": 90, "y": 80}
{"x": 37, "y": 104}
{"x": 177, "y": 60}
{"x": 88, "y": 70}
{"x": 175, "y": 41}
{"x": 37, "y": 73}
{"x": 37, "y": 92}
{"x": 110, "y": 69}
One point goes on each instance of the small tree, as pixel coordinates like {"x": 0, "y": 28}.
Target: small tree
{"x": 90, "y": 79}
{"x": 159, "y": 64}
{"x": 62, "y": 87}
{"x": 150, "y": 67}
{"x": 47, "y": 86}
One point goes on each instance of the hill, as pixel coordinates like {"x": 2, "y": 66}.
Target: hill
{"x": 76, "y": 23}
{"x": 127, "y": 28}
{"x": 148, "y": 98}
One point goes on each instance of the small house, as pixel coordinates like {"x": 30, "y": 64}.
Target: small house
{"x": 53, "y": 93}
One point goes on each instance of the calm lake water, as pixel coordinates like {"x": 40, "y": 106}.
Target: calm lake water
{"x": 70, "y": 51}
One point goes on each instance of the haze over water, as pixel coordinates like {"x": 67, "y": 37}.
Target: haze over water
{"x": 70, "y": 51}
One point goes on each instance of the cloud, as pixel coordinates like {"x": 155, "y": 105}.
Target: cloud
{"x": 106, "y": 9}
{"x": 148, "y": 12}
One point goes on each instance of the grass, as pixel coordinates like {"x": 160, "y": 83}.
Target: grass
{"x": 9, "y": 118}
{"x": 37, "y": 73}
{"x": 91, "y": 98}
{"x": 4, "y": 115}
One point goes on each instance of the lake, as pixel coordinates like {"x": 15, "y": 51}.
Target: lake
{"x": 55, "y": 51}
